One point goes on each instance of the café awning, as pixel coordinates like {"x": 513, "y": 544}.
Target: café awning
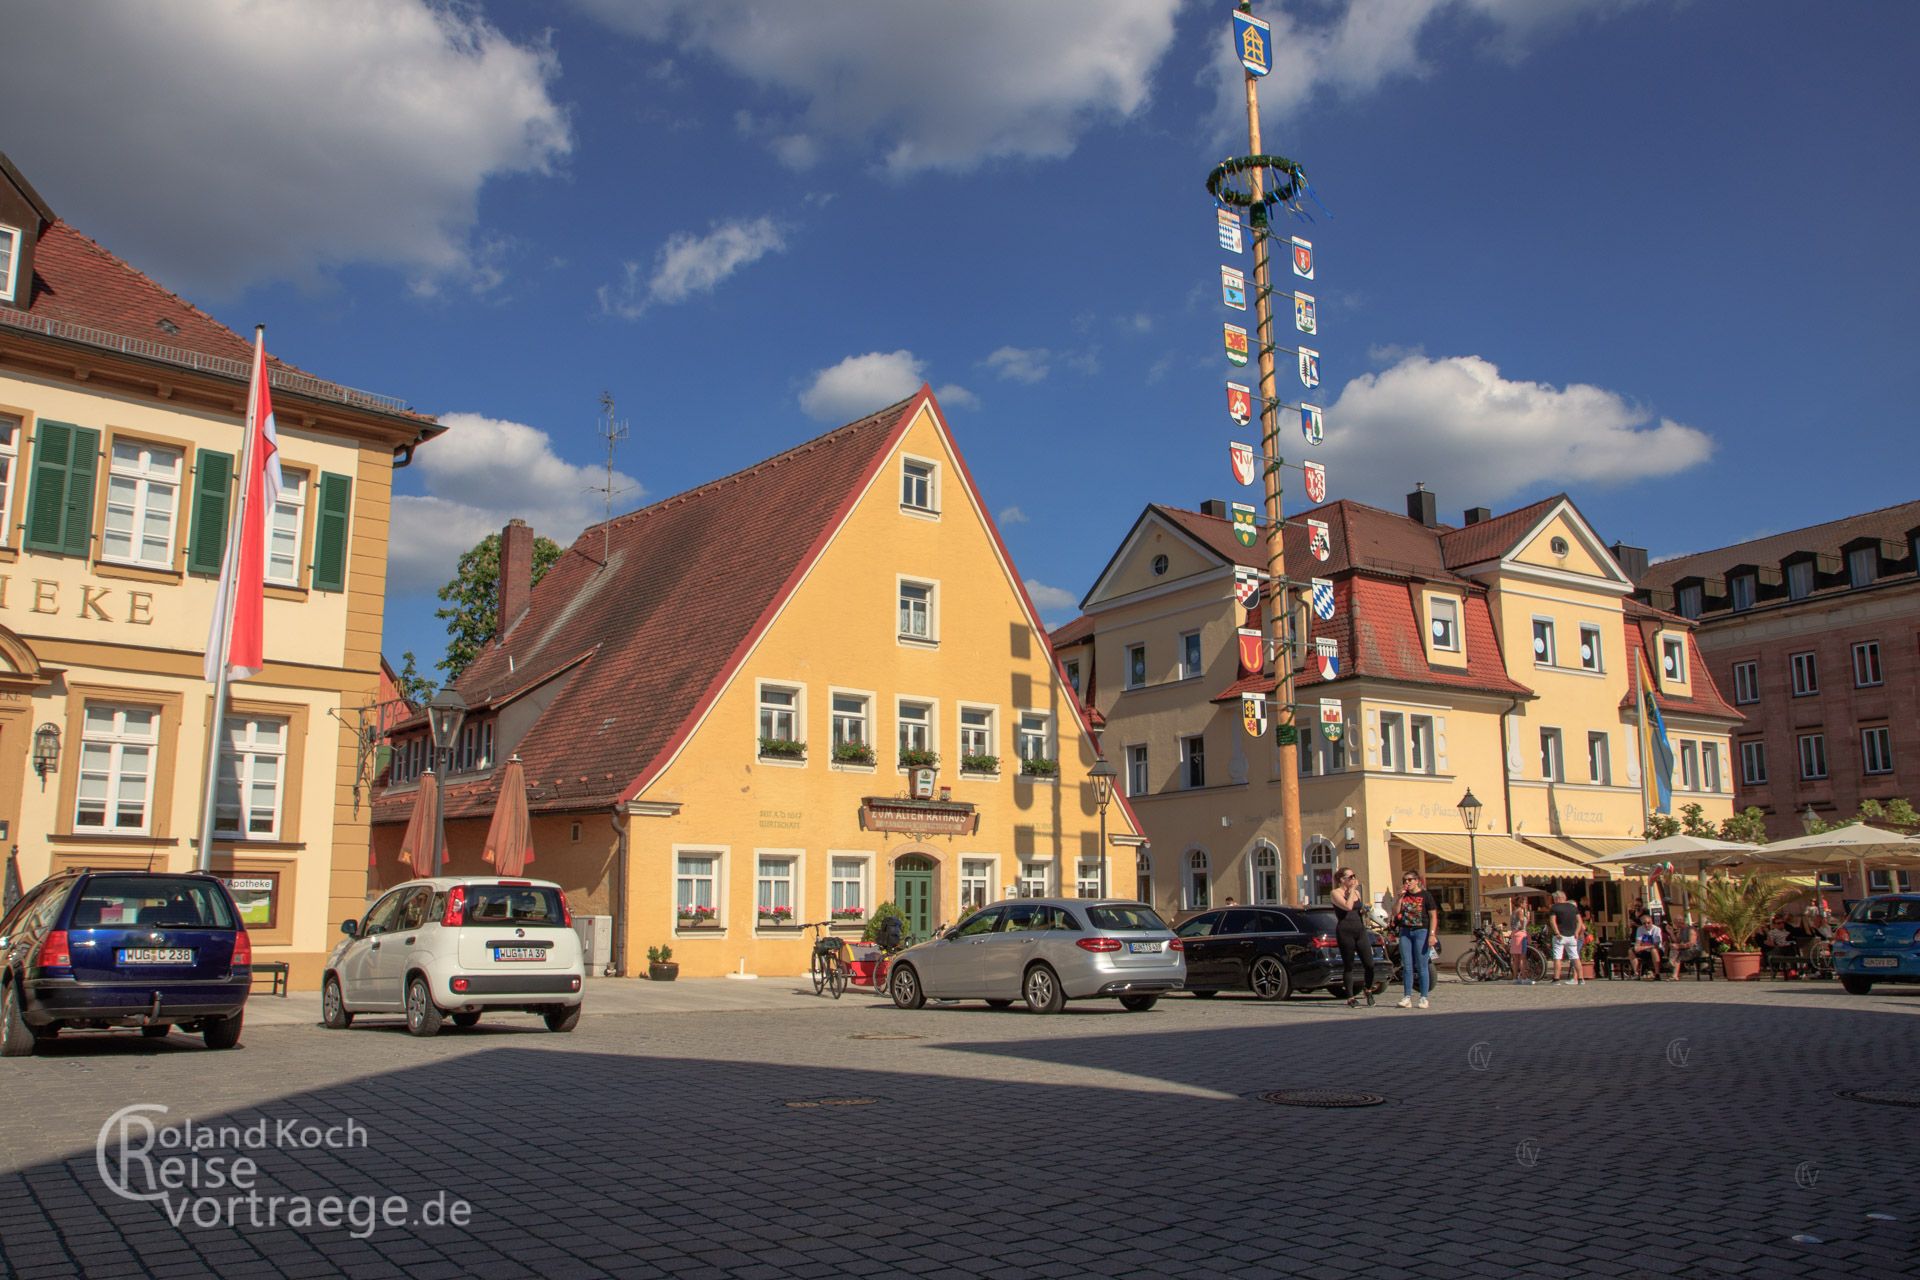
{"x": 1589, "y": 851}
{"x": 1498, "y": 854}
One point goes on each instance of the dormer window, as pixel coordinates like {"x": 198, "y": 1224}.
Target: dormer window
{"x": 1687, "y": 600}
{"x": 1741, "y": 588}
{"x": 1673, "y": 659}
{"x": 1863, "y": 566}
{"x": 1800, "y": 579}
{"x": 1443, "y": 623}
{"x": 9, "y": 261}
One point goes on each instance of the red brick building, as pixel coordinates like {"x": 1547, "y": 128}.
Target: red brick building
{"x": 1816, "y": 636}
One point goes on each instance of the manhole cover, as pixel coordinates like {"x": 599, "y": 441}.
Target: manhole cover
{"x": 1319, "y": 1098}
{"x": 883, "y": 1035}
{"x": 809, "y": 1104}
{"x": 1882, "y": 1097}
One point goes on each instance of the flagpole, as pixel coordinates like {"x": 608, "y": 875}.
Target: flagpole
{"x": 1279, "y": 597}
{"x": 228, "y": 598}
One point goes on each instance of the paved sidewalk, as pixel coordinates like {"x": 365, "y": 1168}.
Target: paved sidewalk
{"x": 608, "y": 996}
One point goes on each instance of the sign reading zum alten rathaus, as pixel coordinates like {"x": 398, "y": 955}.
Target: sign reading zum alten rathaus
{"x": 918, "y": 817}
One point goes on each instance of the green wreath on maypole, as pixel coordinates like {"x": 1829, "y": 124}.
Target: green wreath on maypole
{"x": 1231, "y": 183}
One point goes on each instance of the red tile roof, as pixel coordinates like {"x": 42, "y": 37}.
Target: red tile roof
{"x": 1888, "y": 524}
{"x": 1489, "y": 539}
{"x": 1359, "y": 536}
{"x": 1081, "y": 628}
{"x": 1642, "y": 620}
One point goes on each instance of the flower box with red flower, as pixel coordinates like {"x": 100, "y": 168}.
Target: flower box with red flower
{"x": 698, "y": 918}
{"x": 776, "y": 918}
{"x": 850, "y": 918}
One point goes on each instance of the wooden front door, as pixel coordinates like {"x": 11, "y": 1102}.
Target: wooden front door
{"x": 913, "y": 890}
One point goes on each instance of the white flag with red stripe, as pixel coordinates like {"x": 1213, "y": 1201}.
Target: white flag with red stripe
{"x": 238, "y": 633}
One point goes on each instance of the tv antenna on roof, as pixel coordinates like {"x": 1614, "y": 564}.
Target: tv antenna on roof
{"x": 613, "y": 431}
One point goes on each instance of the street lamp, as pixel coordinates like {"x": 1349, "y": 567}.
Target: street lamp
{"x": 1470, "y": 815}
{"x": 46, "y": 750}
{"x": 1809, "y": 821}
{"x": 1102, "y": 774}
{"x": 446, "y": 712}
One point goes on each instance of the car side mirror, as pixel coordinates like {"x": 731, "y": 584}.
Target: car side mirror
{"x": 350, "y": 927}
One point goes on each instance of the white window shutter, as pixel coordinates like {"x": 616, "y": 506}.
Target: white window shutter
{"x": 1440, "y": 744}
{"x": 1373, "y": 738}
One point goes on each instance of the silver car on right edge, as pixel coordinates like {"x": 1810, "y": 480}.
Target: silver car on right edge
{"x": 1045, "y": 951}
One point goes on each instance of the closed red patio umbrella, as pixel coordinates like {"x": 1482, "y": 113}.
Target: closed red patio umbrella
{"x": 509, "y": 844}
{"x": 416, "y": 846}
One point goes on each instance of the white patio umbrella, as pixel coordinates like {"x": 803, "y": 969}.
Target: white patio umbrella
{"x": 1699, "y": 850}
{"x": 1855, "y": 844}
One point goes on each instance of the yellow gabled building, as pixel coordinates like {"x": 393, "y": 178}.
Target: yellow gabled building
{"x": 1497, "y": 656}
{"x": 714, "y": 697}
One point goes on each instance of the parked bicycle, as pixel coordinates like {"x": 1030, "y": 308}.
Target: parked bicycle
{"x": 829, "y": 967}
{"x": 1487, "y": 959}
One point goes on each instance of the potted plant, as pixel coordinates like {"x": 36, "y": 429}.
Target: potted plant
{"x": 919, "y": 758}
{"x": 853, "y": 752}
{"x": 1040, "y": 767}
{"x": 885, "y": 911}
{"x": 1741, "y": 907}
{"x": 846, "y": 917}
{"x": 698, "y": 917}
{"x": 1589, "y": 955}
{"x": 660, "y": 964}
{"x": 782, "y": 749}
{"x": 979, "y": 764}
{"x": 778, "y": 917}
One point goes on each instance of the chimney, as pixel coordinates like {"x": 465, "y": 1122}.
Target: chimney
{"x": 515, "y": 587}
{"x": 1422, "y": 506}
{"x": 1216, "y": 507}
{"x": 1632, "y": 560}
{"x": 1476, "y": 515}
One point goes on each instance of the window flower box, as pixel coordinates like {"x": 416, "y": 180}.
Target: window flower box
{"x": 1040, "y": 767}
{"x": 853, "y": 753}
{"x": 776, "y": 917}
{"x": 979, "y": 764}
{"x": 850, "y": 918}
{"x": 919, "y": 758}
{"x": 697, "y": 918}
{"x": 782, "y": 749}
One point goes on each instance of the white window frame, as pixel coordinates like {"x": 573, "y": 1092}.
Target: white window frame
{"x": 11, "y": 428}
{"x": 716, "y": 881}
{"x": 1600, "y": 759}
{"x": 1128, "y": 672}
{"x": 1087, "y": 878}
{"x": 931, "y": 508}
{"x": 862, "y": 881}
{"x": 1863, "y": 566}
{"x": 1264, "y": 863}
{"x": 1710, "y": 767}
{"x": 289, "y": 521}
{"x": 1553, "y": 755}
{"x": 1393, "y": 742}
{"x": 988, "y": 739}
{"x": 1072, "y": 670}
{"x": 978, "y": 872}
{"x": 900, "y": 723}
{"x": 795, "y": 880}
{"x": 1881, "y": 754}
{"x": 1753, "y": 763}
{"x": 761, "y": 710}
{"x": 1191, "y": 648}
{"x": 1188, "y": 755}
{"x": 1196, "y": 874}
{"x": 902, "y": 617}
{"x": 1810, "y": 746}
{"x": 836, "y": 717}
{"x": 1024, "y": 736}
{"x": 1742, "y": 590}
{"x": 1592, "y": 643}
{"x": 1867, "y": 671}
{"x": 9, "y": 279}
{"x": 1689, "y": 765}
{"x": 1674, "y": 648}
{"x": 1304, "y": 754}
{"x": 1548, "y": 658}
{"x": 146, "y": 479}
{"x": 1800, "y": 579}
{"x": 1746, "y": 683}
{"x": 119, "y": 743}
{"x": 1451, "y": 620}
{"x": 1139, "y": 771}
{"x": 1805, "y": 669}
{"x": 1034, "y": 882}
{"x": 1420, "y": 744}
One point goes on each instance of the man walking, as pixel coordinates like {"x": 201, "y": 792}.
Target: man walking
{"x": 1566, "y": 937}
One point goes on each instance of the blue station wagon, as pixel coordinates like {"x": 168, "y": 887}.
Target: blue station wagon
{"x": 100, "y": 949}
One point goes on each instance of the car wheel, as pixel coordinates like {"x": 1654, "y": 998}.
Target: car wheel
{"x": 1203, "y": 995}
{"x": 423, "y": 1015}
{"x": 1856, "y": 986}
{"x": 565, "y": 1018}
{"x": 16, "y": 1037}
{"x": 1138, "y": 1004}
{"x": 222, "y": 1033}
{"x": 906, "y": 988}
{"x": 1269, "y": 980}
{"x": 999, "y": 1004}
{"x": 159, "y": 1032}
{"x": 1042, "y": 990}
{"x": 467, "y": 1019}
{"x": 333, "y": 1006}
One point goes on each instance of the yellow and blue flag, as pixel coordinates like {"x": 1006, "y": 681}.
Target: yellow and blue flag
{"x": 1653, "y": 739}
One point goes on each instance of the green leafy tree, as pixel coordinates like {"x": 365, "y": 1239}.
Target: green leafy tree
{"x": 1662, "y": 825}
{"x": 472, "y": 599}
{"x": 414, "y": 687}
{"x": 1897, "y": 813}
{"x": 1749, "y": 826}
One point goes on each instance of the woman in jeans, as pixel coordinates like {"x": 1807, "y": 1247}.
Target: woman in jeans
{"x": 1349, "y": 905}
{"x": 1417, "y": 915}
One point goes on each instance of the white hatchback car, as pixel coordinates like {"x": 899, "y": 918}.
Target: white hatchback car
{"x": 458, "y": 946}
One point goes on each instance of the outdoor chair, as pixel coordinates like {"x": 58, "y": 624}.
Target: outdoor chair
{"x": 1613, "y": 960}
{"x": 1702, "y": 965}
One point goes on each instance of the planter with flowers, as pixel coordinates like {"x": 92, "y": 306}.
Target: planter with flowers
{"x": 782, "y": 749}
{"x": 697, "y": 918}
{"x": 1040, "y": 767}
{"x": 1738, "y": 908}
{"x": 919, "y": 758}
{"x": 853, "y": 753}
{"x": 776, "y": 918}
{"x": 982, "y": 764}
{"x": 850, "y": 918}
{"x": 661, "y": 966}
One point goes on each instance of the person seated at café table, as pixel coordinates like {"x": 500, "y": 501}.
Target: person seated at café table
{"x": 1646, "y": 949}
{"x": 1683, "y": 945}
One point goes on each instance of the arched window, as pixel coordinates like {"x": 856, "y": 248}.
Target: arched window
{"x": 1320, "y": 870}
{"x": 1143, "y": 876}
{"x": 1266, "y": 873}
{"x": 1199, "y": 890}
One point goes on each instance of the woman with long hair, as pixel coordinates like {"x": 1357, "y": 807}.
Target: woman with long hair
{"x": 1350, "y": 906}
{"x": 1416, "y": 915}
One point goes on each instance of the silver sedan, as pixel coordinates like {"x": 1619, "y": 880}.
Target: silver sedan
{"x": 1045, "y": 951}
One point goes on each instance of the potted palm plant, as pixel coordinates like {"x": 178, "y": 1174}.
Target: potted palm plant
{"x": 1741, "y": 905}
{"x": 661, "y": 966}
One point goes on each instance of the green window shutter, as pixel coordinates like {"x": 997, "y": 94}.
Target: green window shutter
{"x": 60, "y": 489}
{"x": 330, "y": 533}
{"x": 212, "y": 490}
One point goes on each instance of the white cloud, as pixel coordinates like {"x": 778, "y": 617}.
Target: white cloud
{"x": 688, "y": 264}
{"x": 860, "y": 384}
{"x": 1012, "y": 515}
{"x": 926, "y": 86}
{"x": 1020, "y": 364}
{"x": 954, "y": 396}
{"x": 241, "y": 141}
{"x": 480, "y": 474}
{"x": 1476, "y": 437}
{"x": 1051, "y": 600}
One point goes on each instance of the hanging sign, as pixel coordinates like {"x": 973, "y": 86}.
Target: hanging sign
{"x": 1316, "y": 476}
{"x": 1229, "y": 230}
{"x": 1241, "y": 455}
{"x": 1243, "y": 524}
{"x": 1239, "y": 403}
{"x": 1323, "y": 599}
{"x": 1309, "y": 367}
{"x": 1319, "y": 540}
{"x": 1233, "y": 288}
{"x": 1252, "y": 41}
{"x": 1326, "y": 658}
{"x": 1246, "y": 586}
{"x": 1235, "y": 337}
{"x": 1303, "y": 258}
{"x": 1304, "y": 314}
{"x": 1332, "y": 722}
{"x": 1253, "y": 713}
{"x": 1311, "y": 425}
{"x": 1249, "y": 651}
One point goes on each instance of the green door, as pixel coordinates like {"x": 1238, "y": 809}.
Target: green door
{"x": 913, "y": 890}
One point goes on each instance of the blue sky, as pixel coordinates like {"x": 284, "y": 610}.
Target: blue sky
{"x": 1653, "y": 253}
